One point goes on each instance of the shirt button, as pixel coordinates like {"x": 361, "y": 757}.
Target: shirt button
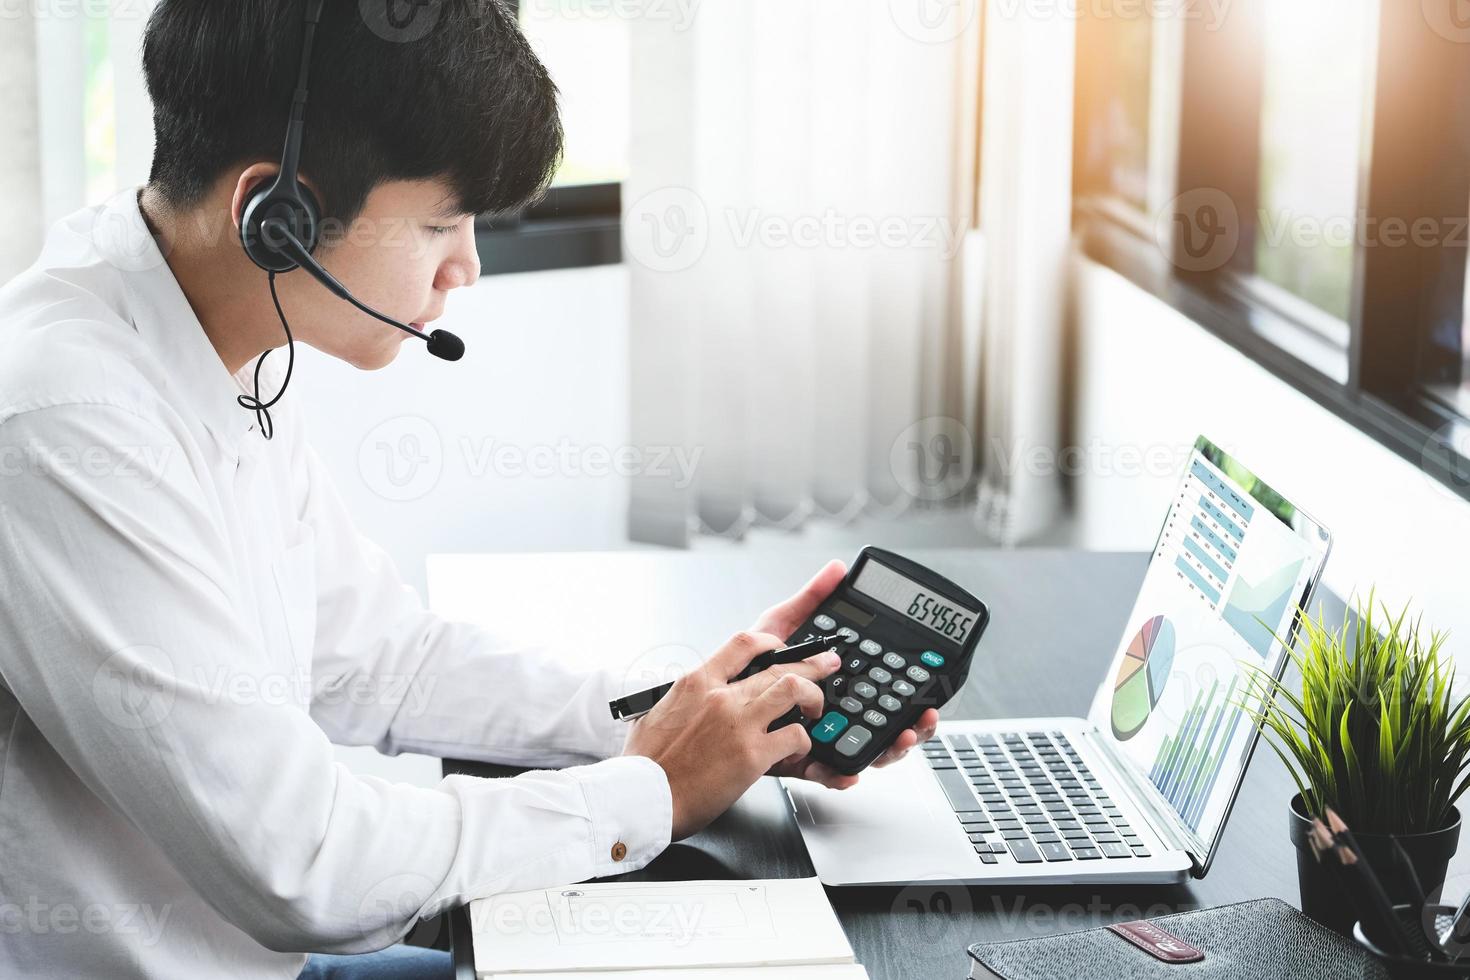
{"x": 619, "y": 851}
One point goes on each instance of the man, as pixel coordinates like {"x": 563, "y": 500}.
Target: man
{"x": 190, "y": 618}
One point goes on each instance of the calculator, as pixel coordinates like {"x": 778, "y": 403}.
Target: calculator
{"x": 908, "y": 634}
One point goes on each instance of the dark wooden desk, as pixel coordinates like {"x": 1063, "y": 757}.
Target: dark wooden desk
{"x": 1056, "y": 619}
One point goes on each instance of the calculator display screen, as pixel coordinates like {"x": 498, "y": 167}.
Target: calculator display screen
{"x": 897, "y": 592}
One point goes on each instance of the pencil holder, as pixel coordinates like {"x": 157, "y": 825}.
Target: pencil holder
{"x": 1424, "y": 923}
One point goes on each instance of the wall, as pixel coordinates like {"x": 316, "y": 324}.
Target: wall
{"x": 1150, "y": 380}
{"x": 424, "y": 452}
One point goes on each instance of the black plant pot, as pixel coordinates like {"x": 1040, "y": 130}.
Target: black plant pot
{"x": 1324, "y": 898}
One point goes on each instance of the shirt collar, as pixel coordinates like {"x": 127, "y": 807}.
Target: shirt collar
{"x": 167, "y": 323}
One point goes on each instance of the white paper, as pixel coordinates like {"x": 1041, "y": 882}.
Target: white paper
{"x": 632, "y": 926}
{"x": 826, "y": 971}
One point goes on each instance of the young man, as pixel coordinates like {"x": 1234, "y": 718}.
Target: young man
{"x": 190, "y": 618}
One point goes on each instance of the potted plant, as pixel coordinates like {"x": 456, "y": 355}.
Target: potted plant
{"x": 1375, "y": 733}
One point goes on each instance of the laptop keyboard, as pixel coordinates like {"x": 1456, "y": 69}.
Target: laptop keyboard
{"x": 1028, "y": 798}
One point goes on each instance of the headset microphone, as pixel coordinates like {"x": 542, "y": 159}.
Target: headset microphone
{"x": 441, "y": 343}
{"x": 279, "y": 228}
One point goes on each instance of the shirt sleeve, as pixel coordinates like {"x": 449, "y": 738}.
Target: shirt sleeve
{"x": 438, "y": 687}
{"x": 120, "y": 637}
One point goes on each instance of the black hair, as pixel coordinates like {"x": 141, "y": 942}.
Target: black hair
{"x": 400, "y": 89}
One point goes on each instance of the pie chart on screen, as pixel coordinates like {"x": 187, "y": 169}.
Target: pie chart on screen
{"x": 1142, "y": 676}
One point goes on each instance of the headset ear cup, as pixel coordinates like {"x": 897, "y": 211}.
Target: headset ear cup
{"x": 293, "y": 203}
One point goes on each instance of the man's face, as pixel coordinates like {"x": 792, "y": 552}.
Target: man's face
{"x": 402, "y": 255}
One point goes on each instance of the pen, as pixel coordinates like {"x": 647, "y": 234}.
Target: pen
{"x": 634, "y": 706}
{"x": 1372, "y": 897}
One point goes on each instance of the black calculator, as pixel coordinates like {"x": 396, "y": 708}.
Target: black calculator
{"x": 908, "y": 634}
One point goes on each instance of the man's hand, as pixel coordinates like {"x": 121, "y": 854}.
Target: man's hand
{"x": 783, "y": 620}
{"x": 709, "y": 734}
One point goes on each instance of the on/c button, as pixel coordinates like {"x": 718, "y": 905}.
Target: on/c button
{"x": 831, "y": 725}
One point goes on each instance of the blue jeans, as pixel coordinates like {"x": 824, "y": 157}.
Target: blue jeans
{"x": 393, "y": 963}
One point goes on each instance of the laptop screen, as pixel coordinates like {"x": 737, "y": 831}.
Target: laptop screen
{"x": 1233, "y": 562}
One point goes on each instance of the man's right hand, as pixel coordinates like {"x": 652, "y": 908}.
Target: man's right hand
{"x": 709, "y": 735}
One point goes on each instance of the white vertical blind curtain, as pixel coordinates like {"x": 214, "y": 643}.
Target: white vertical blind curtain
{"x": 20, "y": 144}
{"x": 1026, "y": 214}
{"x": 44, "y": 137}
{"x": 792, "y": 231}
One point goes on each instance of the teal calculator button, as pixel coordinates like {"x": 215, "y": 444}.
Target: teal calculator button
{"x": 931, "y": 658}
{"x": 831, "y": 725}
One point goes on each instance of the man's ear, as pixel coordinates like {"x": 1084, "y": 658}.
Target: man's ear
{"x": 249, "y": 180}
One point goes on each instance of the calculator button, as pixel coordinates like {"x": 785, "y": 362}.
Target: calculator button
{"x": 852, "y": 743}
{"x": 864, "y": 690}
{"x": 837, "y": 686}
{"x": 853, "y": 665}
{"x": 917, "y": 674}
{"x": 870, "y": 647}
{"x": 895, "y": 661}
{"x": 851, "y": 705}
{"x": 824, "y": 623}
{"x": 848, "y": 634}
{"x": 889, "y": 703}
{"x": 903, "y": 688}
{"x": 831, "y": 725}
{"x": 931, "y": 659}
{"x": 880, "y": 676}
{"x": 875, "y": 718}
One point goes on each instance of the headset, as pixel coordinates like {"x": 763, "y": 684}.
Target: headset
{"x": 280, "y": 226}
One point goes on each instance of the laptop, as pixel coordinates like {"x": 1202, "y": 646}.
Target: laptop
{"x": 1140, "y": 789}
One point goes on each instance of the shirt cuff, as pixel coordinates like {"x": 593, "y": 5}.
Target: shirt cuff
{"x": 632, "y": 812}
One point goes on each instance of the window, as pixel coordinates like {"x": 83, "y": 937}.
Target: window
{"x": 1114, "y": 65}
{"x": 1314, "y": 212}
{"x": 585, "y": 49}
{"x": 1311, "y": 104}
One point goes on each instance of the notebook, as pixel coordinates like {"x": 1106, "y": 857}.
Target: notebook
{"x": 705, "y": 930}
{"x": 1264, "y": 940}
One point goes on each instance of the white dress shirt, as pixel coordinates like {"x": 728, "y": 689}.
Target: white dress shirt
{"x": 189, "y": 619}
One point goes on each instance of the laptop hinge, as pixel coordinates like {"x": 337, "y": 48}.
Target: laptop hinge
{"x": 1161, "y": 816}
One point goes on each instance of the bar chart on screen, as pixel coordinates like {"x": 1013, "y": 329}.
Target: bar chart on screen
{"x": 1189, "y": 762}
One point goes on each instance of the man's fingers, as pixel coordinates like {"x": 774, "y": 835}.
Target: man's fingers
{"x": 813, "y": 668}
{"x": 793, "y": 689}
{"x": 737, "y": 654}
{"x": 789, "y": 742}
{"x": 784, "y": 617}
{"x": 819, "y": 772}
{"x": 922, "y": 731}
